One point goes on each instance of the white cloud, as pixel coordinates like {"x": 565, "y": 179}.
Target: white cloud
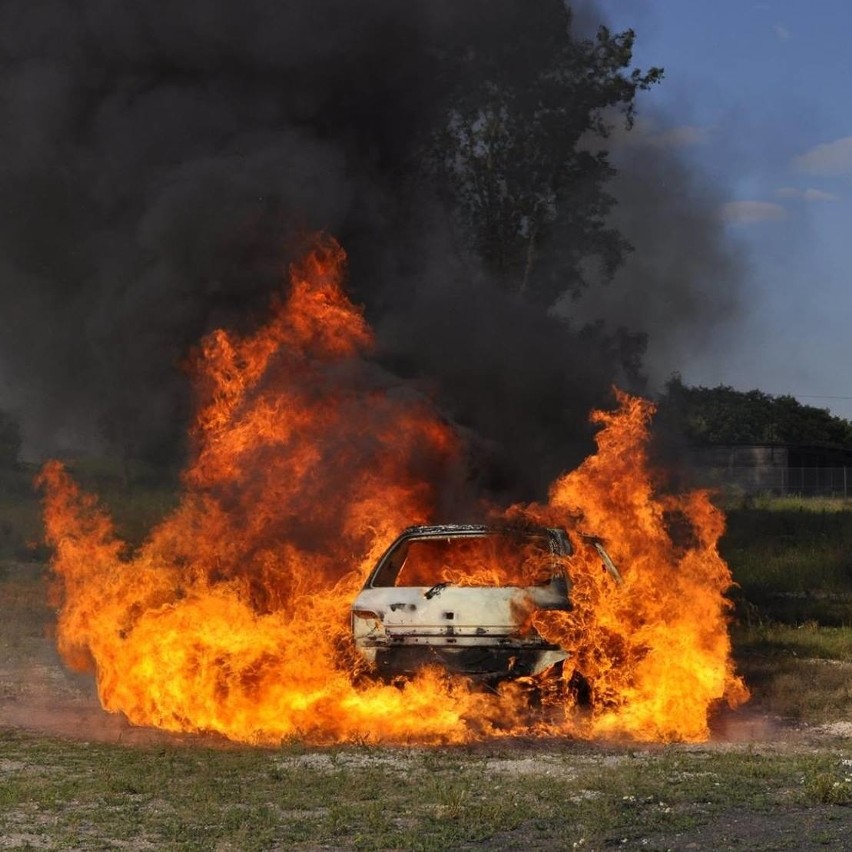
{"x": 781, "y": 32}
{"x": 818, "y": 195}
{"x": 746, "y": 212}
{"x": 830, "y": 159}
{"x": 805, "y": 194}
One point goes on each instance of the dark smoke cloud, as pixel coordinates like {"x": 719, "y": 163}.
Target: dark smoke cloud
{"x": 153, "y": 159}
{"x": 158, "y": 162}
{"x": 683, "y": 282}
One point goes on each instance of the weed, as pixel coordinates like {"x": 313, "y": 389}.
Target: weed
{"x": 828, "y": 789}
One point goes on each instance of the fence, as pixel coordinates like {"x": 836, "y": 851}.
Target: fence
{"x": 805, "y": 481}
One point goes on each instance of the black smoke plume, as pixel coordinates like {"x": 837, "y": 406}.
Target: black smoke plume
{"x": 159, "y": 163}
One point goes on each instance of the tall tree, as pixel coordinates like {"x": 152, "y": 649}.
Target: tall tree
{"x": 529, "y": 191}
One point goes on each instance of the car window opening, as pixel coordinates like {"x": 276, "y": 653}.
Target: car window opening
{"x": 493, "y": 559}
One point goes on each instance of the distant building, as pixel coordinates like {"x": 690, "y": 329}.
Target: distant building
{"x": 814, "y": 469}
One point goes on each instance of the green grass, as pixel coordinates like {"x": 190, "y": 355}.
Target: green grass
{"x": 83, "y": 795}
{"x": 136, "y": 512}
{"x": 802, "y": 673}
{"x": 791, "y": 502}
{"x": 805, "y": 691}
{"x": 21, "y": 529}
{"x": 808, "y": 641}
{"x": 134, "y": 508}
{"x": 791, "y": 560}
{"x": 136, "y": 496}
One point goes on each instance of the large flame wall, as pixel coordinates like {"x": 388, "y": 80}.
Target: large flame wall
{"x": 233, "y": 615}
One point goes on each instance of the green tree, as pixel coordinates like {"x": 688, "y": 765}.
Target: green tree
{"x": 722, "y": 415}
{"x": 529, "y": 192}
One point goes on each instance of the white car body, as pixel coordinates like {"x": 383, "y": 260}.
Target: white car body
{"x": 478, "y": 630}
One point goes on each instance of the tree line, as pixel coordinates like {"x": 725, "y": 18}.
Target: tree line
{"x": 722, "y": 415}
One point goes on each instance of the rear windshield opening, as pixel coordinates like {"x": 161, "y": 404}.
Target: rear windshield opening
{"x": 493, "y": 559}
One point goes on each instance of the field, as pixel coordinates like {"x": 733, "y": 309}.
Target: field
{"x": 64, "y": 794}
{"x": 777, "y": 774}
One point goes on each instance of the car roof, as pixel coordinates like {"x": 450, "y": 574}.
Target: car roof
{"x": 426, "y": 530}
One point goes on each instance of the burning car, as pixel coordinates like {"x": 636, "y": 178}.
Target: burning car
{"x": 461, "y": 596}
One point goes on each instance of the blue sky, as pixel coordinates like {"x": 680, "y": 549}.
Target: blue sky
{"x": 757, "y": 96}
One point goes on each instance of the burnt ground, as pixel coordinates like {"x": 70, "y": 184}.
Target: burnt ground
{"x": 39, "y": 694}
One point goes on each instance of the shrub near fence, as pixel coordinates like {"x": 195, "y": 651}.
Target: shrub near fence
{"x": 806, "y": 481}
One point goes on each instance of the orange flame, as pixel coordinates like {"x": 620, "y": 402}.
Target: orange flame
{"x": 233, "y": 615}
{"x": 655, "y": 649}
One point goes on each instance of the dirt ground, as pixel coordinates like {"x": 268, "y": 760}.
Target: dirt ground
{"x": 39, "y": 694}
